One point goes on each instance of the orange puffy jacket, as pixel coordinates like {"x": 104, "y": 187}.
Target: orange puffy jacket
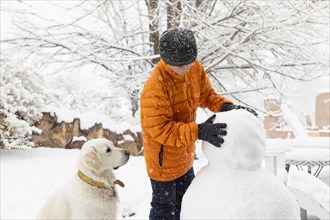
{"x": 168, "y": 111}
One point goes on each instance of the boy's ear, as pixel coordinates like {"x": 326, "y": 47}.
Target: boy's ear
{"x": 93, "y": 161}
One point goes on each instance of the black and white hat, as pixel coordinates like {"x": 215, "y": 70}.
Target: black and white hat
{"x": 177, "y": 46}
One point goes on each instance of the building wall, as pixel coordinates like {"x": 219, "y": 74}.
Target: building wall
{"x": 273, "y": 122}
{"x": 322, "y": 111}
{"x": 276, "y": 127}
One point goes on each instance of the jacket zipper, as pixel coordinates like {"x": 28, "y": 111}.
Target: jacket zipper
{"x": 161, "y": 156}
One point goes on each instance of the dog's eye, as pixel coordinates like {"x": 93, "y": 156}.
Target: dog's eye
{"x": 108, "y": 150}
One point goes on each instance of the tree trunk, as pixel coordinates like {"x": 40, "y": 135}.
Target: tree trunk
{"x": 198, "y": 3}
{"x": 134, "y": 101}
{"x": 173, "y": 13}
{"x": 153, "y": 13}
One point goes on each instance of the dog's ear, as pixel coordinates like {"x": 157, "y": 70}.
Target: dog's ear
{"x": 93, "y": 161}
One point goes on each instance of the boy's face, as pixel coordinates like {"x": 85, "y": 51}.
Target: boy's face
{"x": 181, "y": 70}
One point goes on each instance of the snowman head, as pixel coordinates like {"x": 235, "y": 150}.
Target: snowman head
{"x": 244, "y": 144}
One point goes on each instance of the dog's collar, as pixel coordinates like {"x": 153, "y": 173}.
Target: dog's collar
{"x": 92, "y": 182}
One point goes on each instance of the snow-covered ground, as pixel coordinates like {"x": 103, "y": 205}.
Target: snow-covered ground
{"x": 28, "y": 177}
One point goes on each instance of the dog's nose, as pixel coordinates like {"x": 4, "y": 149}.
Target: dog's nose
{"x": 127, "y": 152}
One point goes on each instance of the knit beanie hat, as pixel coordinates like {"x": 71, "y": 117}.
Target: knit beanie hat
{"x": 177, "y": 47}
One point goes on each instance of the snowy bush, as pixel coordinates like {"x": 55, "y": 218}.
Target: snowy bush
{"x": 20, "y": 101}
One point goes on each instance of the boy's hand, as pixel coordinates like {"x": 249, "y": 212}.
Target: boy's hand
{"x": 228, "y": 107}
{"x": 212, "y": 133}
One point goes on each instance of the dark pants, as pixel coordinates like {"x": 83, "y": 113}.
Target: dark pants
{"x": 167, "y": 197}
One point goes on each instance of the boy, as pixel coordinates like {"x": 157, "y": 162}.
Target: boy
{"x": 177, "y": 86}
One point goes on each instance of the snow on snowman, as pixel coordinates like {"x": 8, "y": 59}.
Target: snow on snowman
{"x": 233, "y": 185}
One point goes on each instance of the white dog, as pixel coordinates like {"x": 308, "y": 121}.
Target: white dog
{"x": 91, "y": 194}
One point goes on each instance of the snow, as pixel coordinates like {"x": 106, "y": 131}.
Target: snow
{"x": 34, "y": 175}
{"x": 310, "y": 185}
{"x": 302, "y": 148}
{"x": 325, "y": 90}
{"x": 29, "y": 177}
{"x": 309, "y": 154}
{"x": 294, "y": 122}
{"x": 61, "y": 114}
{"x": 89, "y": 119}
{"x": 20, "y": 98}
{"x": 311, "y": 142}
{"x": 277, "y": 144}
{"x": 312, "y": 194}
{"x": 80, "y": 138}
{"x": 235, "y": 185}
{"x": 128, "y": 138}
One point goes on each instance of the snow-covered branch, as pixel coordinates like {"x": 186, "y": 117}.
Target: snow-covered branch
{"x": 246, "y": 46}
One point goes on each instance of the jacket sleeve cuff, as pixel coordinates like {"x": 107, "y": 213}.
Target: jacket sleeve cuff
{"x": 225, "y": 107}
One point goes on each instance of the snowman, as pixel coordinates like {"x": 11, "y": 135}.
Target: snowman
{"x": 233, "y": 185}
